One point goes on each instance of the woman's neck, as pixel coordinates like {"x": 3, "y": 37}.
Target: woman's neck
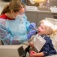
{"x": 9, "y": 15}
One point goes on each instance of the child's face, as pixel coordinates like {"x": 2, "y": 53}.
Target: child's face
{"x": 42, "y": 29}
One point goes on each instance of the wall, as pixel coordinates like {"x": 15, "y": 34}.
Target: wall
{"x": 36, "y": 16}
{"x": 53, "y": 2}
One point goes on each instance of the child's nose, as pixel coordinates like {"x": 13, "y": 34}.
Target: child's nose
{"x": 38, "y": 28}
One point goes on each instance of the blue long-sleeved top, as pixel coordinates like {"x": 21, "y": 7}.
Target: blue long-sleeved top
{"x": 15, "y": 31}
{"x": 48, "y": 48}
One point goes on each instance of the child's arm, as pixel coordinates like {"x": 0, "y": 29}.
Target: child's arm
{"x": 32, "y": 45}
{"x": 41, "y": 54}
{"x": 33, "y": 53}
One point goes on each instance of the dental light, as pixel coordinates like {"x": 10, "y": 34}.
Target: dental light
{"x": 38, "y": 1}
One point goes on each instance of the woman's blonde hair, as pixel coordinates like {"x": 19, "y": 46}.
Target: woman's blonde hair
{"x": 14, "y": 5}
{"x": 49, "y": 28}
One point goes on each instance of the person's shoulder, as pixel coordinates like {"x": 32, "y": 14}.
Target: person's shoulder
{"x": 1, "y": 16}
{"x": 47, "y": 38}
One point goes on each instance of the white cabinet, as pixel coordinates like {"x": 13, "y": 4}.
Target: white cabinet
{"x": 43, "y": 15}
{"x": 35, "y": 16}
{"x": 32, "y": 16}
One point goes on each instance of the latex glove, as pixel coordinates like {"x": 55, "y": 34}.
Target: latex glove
{"x": 32, "y": 32}
{"x": 32, "y": 26}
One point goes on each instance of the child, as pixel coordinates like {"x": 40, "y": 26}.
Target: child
{"x": 46, "y": 30}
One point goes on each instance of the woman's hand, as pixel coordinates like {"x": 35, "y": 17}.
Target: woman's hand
{"x": 32, "y": 32}
{"x": 32, "y": 26}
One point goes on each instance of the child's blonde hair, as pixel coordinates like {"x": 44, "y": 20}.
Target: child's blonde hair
{"x": 50, "y": 28}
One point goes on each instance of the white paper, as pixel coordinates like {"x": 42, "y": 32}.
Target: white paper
{"x": 53, "y": 9}
{"x": 38, "y": 42}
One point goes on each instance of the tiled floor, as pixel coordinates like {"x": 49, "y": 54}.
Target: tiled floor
{"x": 2, "y": 4}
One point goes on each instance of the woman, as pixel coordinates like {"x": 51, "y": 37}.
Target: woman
{"x": 14, "y": 23}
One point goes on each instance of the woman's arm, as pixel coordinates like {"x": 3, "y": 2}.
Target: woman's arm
{"x": 28, "y": 24}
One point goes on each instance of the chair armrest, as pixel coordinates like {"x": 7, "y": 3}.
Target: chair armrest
{"x": 10, "y": 50}
{"x": 52, "y": 56}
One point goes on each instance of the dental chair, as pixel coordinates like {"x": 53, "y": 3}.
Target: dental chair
{"x": 54, "y": 40}
{"x": 12, "y": 50}
{"x": 18, "y": 50}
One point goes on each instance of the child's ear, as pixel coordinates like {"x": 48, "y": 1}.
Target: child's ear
{"x": 46, "y": 32}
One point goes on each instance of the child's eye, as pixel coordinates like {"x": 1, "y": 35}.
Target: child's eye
{"x": 41, "y": 27}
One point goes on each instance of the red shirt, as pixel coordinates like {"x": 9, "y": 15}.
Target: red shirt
{"x": 5, "y": 17}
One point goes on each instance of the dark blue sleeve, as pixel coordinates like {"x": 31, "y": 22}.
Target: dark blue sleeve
{"x": 46, "y": 49}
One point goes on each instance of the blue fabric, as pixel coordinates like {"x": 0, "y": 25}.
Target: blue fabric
{"x": 48, "y": 48}
{"x": 3, "y": 32}
{"x": 19, "y": 28}
{"x": 15, "y": 30}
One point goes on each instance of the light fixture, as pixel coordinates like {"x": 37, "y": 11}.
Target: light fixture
{"x": 38, "y": 1}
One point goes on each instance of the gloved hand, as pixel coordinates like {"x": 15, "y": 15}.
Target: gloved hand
{"x": 32, "y": 26}
{"x": 32, "y": 32}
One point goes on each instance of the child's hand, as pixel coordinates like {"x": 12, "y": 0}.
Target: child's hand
{"x": 32, "y": 45}
{"x": 32, "y": 53}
